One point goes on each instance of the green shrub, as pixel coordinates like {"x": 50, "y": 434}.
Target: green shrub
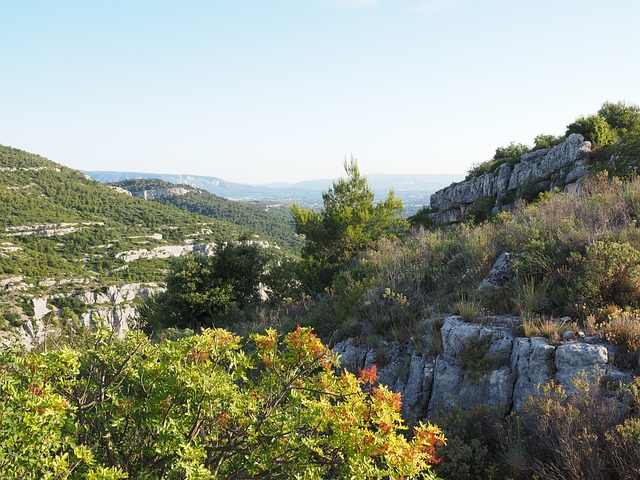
{"x": 481, "y": 210}
{"x": 626, "y": 155}
{"x": 568, "y": 432}
{"x": 547, "y": 141}
{"x": 531, "y": 294}
{"x": 470, "y": 452}
{"x": 609, "y": 274}
{"x": 476, "y": 359}
{"x": 624, "y": 442}
{"x": 510, "y": 154}
{"x": 620, "y": 116}
{"x": 468, "y": 309}
{"x": 422, "y": 218}
{"x": 202, "y": 406}
{"x": 622, "y": 328}
{"x": 593, "y": 128}
{"x": 13, "y": 319}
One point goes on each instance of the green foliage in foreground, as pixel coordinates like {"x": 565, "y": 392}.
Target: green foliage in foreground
{"x": 201, "y": 408}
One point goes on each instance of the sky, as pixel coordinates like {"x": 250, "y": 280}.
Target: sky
{"x": 261, "y": 91}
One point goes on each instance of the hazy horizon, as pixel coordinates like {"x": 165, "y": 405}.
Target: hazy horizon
{"x": 260, "y": 92}
{"x": 307, "y": 180}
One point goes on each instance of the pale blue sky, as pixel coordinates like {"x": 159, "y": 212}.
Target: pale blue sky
{"x": 259, "y": 91}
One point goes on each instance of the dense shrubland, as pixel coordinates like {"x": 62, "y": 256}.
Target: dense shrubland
{"x": 575, "y": 255}
{"x": 212, "y": 405}
{"x": 202, "y": 406}
{"x": 218, "y": 290}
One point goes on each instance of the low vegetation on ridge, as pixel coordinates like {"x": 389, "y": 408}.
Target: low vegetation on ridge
{"x": 613, "y": 131}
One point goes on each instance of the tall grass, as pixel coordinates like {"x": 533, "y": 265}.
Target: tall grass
{"x": 468, "y": 309}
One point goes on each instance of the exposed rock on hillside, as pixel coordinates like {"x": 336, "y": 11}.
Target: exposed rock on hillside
{"x": 562, "y": 166}
{"x": 46, "y": 230}
{"x": 161, "y": 193}
{"x": 111, "y": 308}
{"x": 167, "y": 251}
{"x": 478, "y": 364}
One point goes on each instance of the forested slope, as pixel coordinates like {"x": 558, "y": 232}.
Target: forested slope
{"x": 269, "y": 221}
{"x": 56, "y": 222}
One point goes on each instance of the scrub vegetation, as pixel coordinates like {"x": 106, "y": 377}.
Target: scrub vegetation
{"x": 184, "y": 398}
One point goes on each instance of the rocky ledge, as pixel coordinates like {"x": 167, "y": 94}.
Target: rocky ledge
{"x": 562, "y": 166}
{"x": 475, "y": 364}
{"x": 113, "y": 308}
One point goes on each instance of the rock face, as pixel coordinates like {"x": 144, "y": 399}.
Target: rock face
{"x": 161, "y": 193}
{"x": 111, "y": 308}
{"x": 562, "y": 166}
{"x": 478, "y": 364}
{"x": 165, "y": 251}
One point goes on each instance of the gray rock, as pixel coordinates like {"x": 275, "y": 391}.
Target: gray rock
{"x": 118, "y": 318}
{"x": 575, "y": 174}
{"x": 541, "y": 168}
{"x": 40, "y": 307}
{"x": 352, "y": 356}
{"x": 507, "y": 372}
{"x": 532, "y": 360}
{"x": 456, "y": 386}
{"x": 573, "y": 358}
{"x": 500, "y": 276}
{"x": 417, "y": 389}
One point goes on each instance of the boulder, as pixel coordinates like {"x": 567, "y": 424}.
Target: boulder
{"x": 499, "y": 278}
{"x": 40, "y": 307}
{"x": 574, "y": 358}
{"x": 532, "y": 361}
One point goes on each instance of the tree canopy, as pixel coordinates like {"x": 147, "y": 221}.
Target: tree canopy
{"x": 593, "y": 128}
{"x": 208, "y": 291}
{"x": 349, "y": 222}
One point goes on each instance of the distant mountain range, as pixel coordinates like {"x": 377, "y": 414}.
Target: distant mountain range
{"x": 413, "y": 190}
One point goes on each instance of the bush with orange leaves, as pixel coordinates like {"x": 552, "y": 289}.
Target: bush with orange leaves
{"x": 208, "y": 406}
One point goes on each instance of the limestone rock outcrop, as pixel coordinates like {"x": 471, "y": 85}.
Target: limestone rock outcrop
{"x": 161, "y": 193}
{"x": 112, "y": 308}
{"x": 500, "y": 277}
{"x": 562, "y": 166}
{"x": 478, "y": 364}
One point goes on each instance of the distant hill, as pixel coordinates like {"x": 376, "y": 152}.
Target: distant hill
{"x": 272, "y": 222}
{"x": 56, "y": 222}
{"x": 413, "y": 189}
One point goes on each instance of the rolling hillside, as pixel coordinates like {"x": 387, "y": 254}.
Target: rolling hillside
{"x": 270, "y": 221}
{"x": 57, "y": 223}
